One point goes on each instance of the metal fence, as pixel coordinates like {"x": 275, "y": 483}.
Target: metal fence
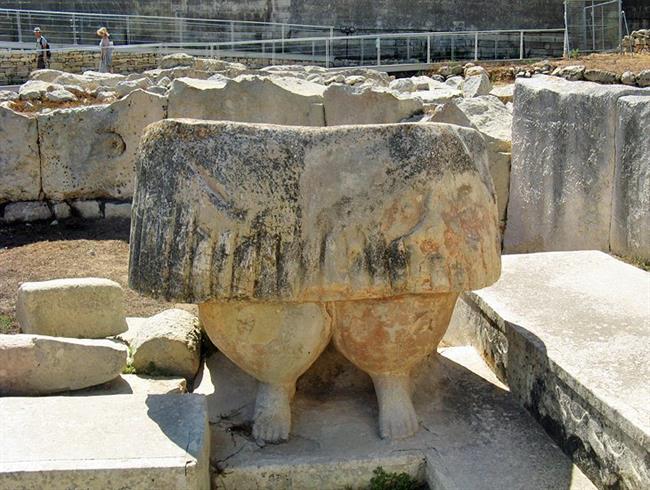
{"x": 78, "y": 29}
{"x": 389, "y": 51}
{"x": 593, "y": 25}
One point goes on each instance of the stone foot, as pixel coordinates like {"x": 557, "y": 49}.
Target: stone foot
{"x": 397, "y": 418}
{"x": 272, "y": 419}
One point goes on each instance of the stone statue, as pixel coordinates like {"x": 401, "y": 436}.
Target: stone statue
{"x": 287, "y": 237}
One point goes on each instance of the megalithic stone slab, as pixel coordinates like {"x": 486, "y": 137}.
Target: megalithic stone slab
{"x": 270, "y": 213}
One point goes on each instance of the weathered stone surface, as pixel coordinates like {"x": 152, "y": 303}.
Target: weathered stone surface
{"x": 135, "y": 384}
{"x": 493, "y": 120}
{"x": 601, "y": 76}
{"x": 336, "y": 444}
{"x": 8, "y": 95}
{"x": 367, "y": 105}
{"x": 62, "y": 210}
{"x": 630, "y": 230}
{"x": 135, "y": 442}
{"x": 19, "y": 158}
{"x": 128, "y": 86}
{"x": 168, "y": 343}
{"x": 122, "y": 210}
{"x": 60, "y": 95}
{"x": 478, "y": 84}
{"x": 45, "y": 75}
{"x": 563, "y": 160}
{"x": 643, "y": 78}
{"x": 84, "y": 307}
{"x": 36, "y": 89}
{"x": 437, "y": 93}
{"x": 87, "y": 209}
{"x": 176, "y": 59}
{"x": 298, "y": 214}
{"x": 272, "y": 100}
{"x": 572, "y": 72}
{"x": 39, "y": 365}
{"x": 104, "y": 79}
{"x": 19, "y": 212}
{"x": 569, "y": 333}
{"x": 97, "y": 159}
{"x": 628, "y": 78}
{"x": 505, "y": 93}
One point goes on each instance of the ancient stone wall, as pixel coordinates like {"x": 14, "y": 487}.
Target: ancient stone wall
{"x": 15, "y": 67}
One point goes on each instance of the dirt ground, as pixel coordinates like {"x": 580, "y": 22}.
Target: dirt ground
{"x": 74, "y": 248}
{"x": 505, "y": 71}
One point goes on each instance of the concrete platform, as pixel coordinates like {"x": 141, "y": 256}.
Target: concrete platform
{"x": 569, "y": 332}
{"x": 104, "y": 442}
{"x": 473, "y": 435}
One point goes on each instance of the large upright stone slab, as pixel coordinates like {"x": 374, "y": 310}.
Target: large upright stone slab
{"x": 255, "y": 99}
{"x": 265, "y": 213}
{"x": 20, "y": 165}
{"x": 135, "y": 442}
{"x": 630, "y": 232}
{"x": 563, "y": 164}
{"x": 569, "y": 332}
{"x": 90, "y": 151}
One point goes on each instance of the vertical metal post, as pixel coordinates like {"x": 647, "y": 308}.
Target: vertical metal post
{"x": 327, "y": 53}
{"x": 378, "y": 47}
{"x": 602, "y": 27}
{"x": 361, "y": 41}
{"x": 273, "y": 53}
{"x": 408, "y": 48}
{"x": 128, "y": 29}
{"x": 331, "y": 32}
{"x": 19, "y": 28}
{"x": 313, "y": 49}
{"x": 429, "y": 49}
{"x": 566, "y": 31}
{"x": 74, "y": 29}
{"x": 495, "y": 46}
{"x": 521, "y": 45}
{"x": 232, "y": 36}
{"x": 593, "y": 28}
{"x": 476, "y": 46}
{"x": 453, "y": 46}
{"x": 620, "y": 25}
{"x": 282, "y": 36}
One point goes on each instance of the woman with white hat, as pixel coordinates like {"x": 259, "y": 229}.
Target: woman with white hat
{"x": 106, "y": 48}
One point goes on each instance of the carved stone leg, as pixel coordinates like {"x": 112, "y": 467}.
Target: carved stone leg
{"x": 275, "y": 343}
{"x": 387, "y": 338}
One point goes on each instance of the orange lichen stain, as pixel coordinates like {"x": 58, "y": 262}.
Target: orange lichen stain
{"x": 429, "y": 246}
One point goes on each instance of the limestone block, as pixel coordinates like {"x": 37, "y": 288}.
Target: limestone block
{"x": 84, "y": 307}
{"x": 45, "y": 75}
{"x": 135, "y": 384}
{"x": 572, "y": 73}
{"x": 168, "y": 343}
{"x": 60, "y": 95}
{"x": 628, "y": 78}
{"x": 19, "y": 212}
{"x": 402, "y": 85}
{"x": 505, "y": 93}
{"x": 36, "y": 89}
{"x": 40, "y": 365}
{"x": 133, "y": 442}
{"x": 178, "y": 72}
{"x": 476, "y": 85}
{"x": 122, "y": 210}
{"x": 455, "y": 82}
{"x": 8, "y": 95}
{"x": 176, "y": 59}
{"x": 87, "y": 209}
{"x": 19, "y": 158}
{"x": 128, "y": 86}
{"x": 563, "y": 161}
{"x": 437, "y": 93}
{"x": 630, "y": 230}
{"x": 601, "y": 76}
{"x": 272, "y": 100}
{"x": 90, "y": 151}
{"x": 105, "y": 79}
{"x": 156, "y": 89}
{"x": 367, "y": 105}
{"x": 643, "y": 78}
{"x": 62, "y": 210}
{"x": 308, "y": 214}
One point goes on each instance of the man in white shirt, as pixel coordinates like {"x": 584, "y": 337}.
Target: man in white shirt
{"x": 44, "y": 53}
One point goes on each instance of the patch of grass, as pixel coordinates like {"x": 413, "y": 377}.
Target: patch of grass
{"x": 392, "y": 481}
{"x": 6, "y": 325}
{"x": 128, "y": 369}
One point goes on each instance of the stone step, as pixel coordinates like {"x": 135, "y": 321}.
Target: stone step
{"x": 569, "y": 333}
{"x": 473, "y": 435}
{"x": 119, "y": 441}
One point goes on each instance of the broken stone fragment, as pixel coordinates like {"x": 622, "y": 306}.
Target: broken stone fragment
{"x": 81, "y": 308}
{"x": 40, "y": 365}
{"x": 168, "y": 344}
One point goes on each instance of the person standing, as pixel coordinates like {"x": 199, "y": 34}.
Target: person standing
{"x": 106, "y": 48}
{"x": 43, "y": 51}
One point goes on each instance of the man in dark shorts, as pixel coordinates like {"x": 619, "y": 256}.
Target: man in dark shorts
{"x": 44, "y": 54}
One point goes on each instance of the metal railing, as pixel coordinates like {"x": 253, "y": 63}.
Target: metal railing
{"x": 388, "y": 51}
{"x": 593, "y": 25}
{"x": 78, "y": 29}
